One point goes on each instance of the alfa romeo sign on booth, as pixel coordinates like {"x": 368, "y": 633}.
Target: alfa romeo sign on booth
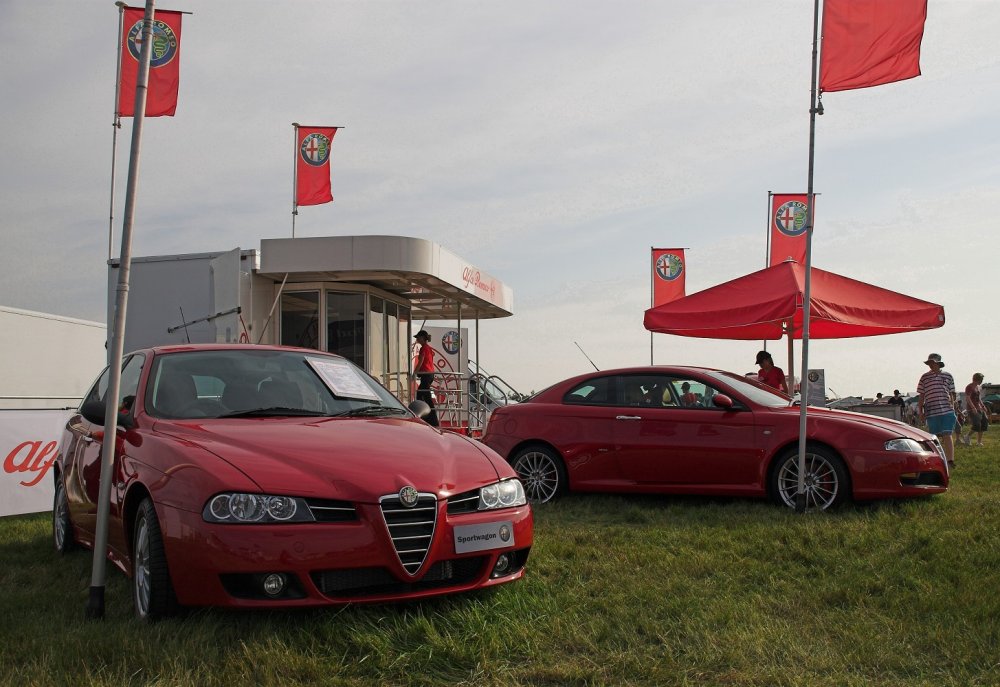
{"x": 29, "y": 442}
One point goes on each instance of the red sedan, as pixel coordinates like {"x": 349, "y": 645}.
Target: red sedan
{"x": 688, "y": 430}
{"x": 261, "y": 476}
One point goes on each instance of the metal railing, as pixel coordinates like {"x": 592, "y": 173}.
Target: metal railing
{"x": 464, "y": 402}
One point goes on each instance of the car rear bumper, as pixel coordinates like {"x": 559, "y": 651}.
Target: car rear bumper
{"x": 330, "y": 563}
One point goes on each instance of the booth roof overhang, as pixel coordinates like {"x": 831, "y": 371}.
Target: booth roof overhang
{"x": 438, "y": 284}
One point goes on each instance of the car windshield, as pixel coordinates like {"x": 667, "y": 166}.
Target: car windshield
{"x": 752, "y": 390}
{"x": 262, "y": 383}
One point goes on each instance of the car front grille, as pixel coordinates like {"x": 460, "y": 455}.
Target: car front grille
{"x": 326, "y": 510}
{"x": 358, "y": 582}
{"x": 411, "y": 529}
{"x": 466, "y": 502}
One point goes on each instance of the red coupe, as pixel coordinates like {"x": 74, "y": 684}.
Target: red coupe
{"x": 262, "y": 476}
{"x": 688, "y": 430}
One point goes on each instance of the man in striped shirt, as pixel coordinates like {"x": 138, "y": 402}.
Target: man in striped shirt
{"x": 937, "y": 404}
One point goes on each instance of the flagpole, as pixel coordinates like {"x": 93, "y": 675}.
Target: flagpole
{"x": 815, "y": 108}
{"x": 652, "y": 295}
{"x": 116, "y": 125}
{"x": 767, "y": 243}
{"x": 295, "y": 173}
{"x": 95, "y": 602}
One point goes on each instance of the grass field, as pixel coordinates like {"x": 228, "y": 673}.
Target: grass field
{"x": 620, "y": 590}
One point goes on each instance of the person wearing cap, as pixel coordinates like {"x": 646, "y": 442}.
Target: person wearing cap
{"x": 937, "y": 404}
{"x": 424, "y": 370}
{"x": 979, "y": 414}
{"x": 769, "y": 374}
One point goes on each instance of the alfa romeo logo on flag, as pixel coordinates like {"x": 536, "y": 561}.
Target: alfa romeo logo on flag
{"x": 790, "y": 218}
{"x": 315, "y": 150}
{"x": 669, "y": 267}
{"x": 164, "y": 43}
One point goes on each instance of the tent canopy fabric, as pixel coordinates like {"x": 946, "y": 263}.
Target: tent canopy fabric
{"x": 760, "y": 306}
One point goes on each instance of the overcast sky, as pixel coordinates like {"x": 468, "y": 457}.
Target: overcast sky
{"x": 549, "y": 143}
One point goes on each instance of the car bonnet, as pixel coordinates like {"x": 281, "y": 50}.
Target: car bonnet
{"x": 356, "y": 459}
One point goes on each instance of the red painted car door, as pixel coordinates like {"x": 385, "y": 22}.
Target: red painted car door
{"x": 694, "y": 444}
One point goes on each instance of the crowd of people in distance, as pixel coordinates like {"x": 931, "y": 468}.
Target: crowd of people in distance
{"x": 937, "y": 404}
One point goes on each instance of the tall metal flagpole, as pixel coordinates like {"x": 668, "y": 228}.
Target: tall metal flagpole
{"x": 116, "y": 125}
{"x": 814, "y": 109}
{"x": 767, "y": 242}
{"x": 95, "y": 603}
{"x": 295, "y": 173}
{"x": 652, "y": 295}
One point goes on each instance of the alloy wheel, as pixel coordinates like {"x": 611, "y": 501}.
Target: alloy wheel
{"x": 539, "y": 474}
{"x": 822, "y": 481}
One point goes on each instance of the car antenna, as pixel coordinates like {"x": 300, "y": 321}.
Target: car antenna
{"x": 587, "y": 357}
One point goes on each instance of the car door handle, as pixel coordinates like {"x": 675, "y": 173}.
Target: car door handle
{"x": 627, "y": 417}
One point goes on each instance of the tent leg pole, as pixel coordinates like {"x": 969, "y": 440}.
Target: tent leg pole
{"x": 790, "y": 379}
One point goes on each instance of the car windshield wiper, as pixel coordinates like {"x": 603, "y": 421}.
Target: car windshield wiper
{"x": 276, "y": 411}
{"x": 372, "y": 410}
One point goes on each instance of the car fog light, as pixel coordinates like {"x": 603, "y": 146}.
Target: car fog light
{"x": 274, "y": 584}
{"x": 502, "y": 565}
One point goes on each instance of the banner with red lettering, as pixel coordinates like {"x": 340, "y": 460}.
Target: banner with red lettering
{"x": 29, "y": 443}
{"x": 312, "y": 164}
{"x": 164, "y": 64}
{"x": 870, "y": 42}
{"x": 789, "y": 212}
{"x": 668, "y": 275}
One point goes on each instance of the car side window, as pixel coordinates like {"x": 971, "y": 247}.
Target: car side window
{"x": 638, "y": 391}
{"x": 693, "y": 393}
{"x": 129, "y": 384}
{"x": 591, "y": 392}
{"x": 98, "y": 390}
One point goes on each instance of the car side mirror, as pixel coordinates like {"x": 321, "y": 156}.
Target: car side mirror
{"x": 93, "y": 412}
{"x": 722, "y": 401}
{"x": 419, "y": 408}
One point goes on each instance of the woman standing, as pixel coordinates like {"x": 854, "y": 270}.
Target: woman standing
{"x": 769, "y": 374}
{"x": 424, "y": 370}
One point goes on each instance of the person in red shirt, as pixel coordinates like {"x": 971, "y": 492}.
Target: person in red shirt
{"x": 424, "y": 370}
{"x": 688, "y": 399}
{"x": 769, "y": 374}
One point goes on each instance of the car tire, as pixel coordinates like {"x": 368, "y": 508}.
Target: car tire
{"x": 827, "y": 481}
{"x": 152, "y": 591}
{"x": 62, "y": 528}
{"x": 541, "y": 471}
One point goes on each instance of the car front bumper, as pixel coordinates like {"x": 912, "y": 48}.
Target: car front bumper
{"x": 332, "y": 563}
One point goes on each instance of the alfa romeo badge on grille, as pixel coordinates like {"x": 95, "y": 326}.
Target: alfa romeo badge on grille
{"x": 408, "y": 496}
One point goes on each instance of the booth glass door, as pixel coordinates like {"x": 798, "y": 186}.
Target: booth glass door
{"x": 300, "y": 319}
{"x": 345, "y": 326}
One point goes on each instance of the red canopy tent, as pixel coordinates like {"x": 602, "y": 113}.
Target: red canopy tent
{"x": 768, "y": 305}
{"x": 761, "y": 305}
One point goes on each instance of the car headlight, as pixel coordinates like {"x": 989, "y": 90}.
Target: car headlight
{"x": 238, "y": 508}
{"x": 903, "y": 445}
{"x": 505, "y": 494}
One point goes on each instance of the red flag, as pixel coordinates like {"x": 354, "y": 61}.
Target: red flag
{"x": 312, "y": 165}
{"x": 668, "y": 275}
{"x": 164, "y": 65}
{"x": 789, "y": 212}
{"x": 870, "y": 42}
